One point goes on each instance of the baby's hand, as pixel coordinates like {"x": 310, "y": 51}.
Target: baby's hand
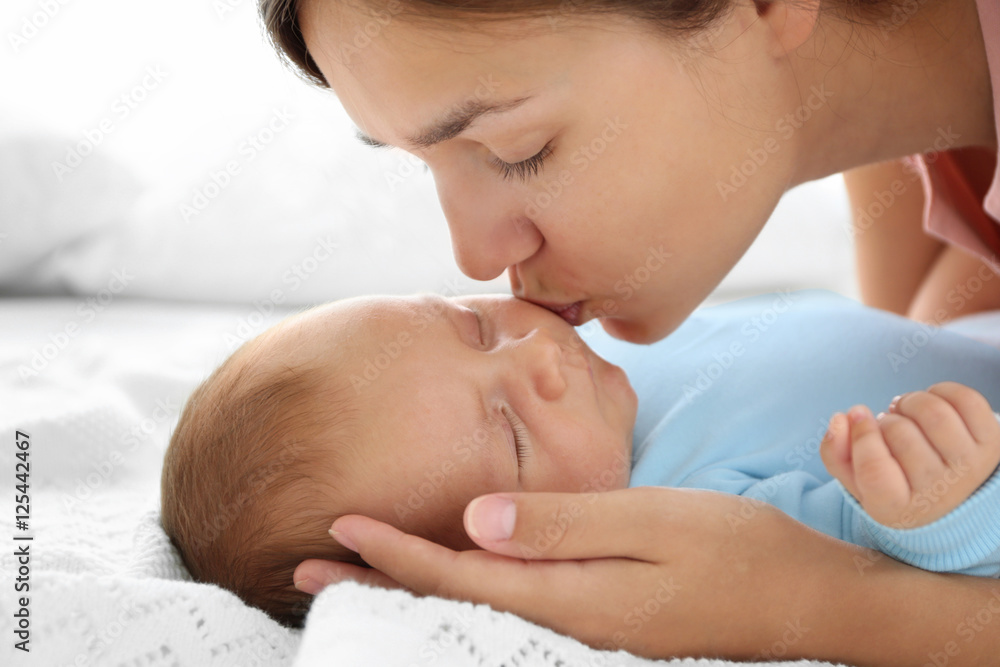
{"x": 915, "y": 464}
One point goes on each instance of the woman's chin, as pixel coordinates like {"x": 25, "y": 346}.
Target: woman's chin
{"x": 626, "y": 330}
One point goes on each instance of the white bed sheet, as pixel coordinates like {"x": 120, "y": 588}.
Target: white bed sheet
{"x": 106, "y": 586}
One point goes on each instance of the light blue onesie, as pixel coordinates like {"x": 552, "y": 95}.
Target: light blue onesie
{"x": 738, "y": 398}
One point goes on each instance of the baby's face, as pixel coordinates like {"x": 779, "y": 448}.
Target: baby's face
{"x": 466, "y": 396}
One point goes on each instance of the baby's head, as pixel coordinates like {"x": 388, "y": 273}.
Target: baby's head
{"x": 403, "y": 409}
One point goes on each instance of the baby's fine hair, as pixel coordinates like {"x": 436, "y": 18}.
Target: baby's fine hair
{"x": 248, "y": 486}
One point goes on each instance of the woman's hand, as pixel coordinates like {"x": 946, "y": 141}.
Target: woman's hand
{"x": 662, "y": 572}
{"x": 655, "y": 571}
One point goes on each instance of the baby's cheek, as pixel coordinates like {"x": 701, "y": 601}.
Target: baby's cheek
{"x": 588, "y": 467}
{"x": 612, "y": 466}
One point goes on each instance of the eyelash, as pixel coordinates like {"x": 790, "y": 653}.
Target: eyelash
{"x": 516, "y": 425}
{"x": 520, "y": 435}
{"x": 522, "y": 169}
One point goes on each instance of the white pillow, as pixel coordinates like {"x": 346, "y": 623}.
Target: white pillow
{"x": 191, "y": 165}
{"x": 42, "y": 217}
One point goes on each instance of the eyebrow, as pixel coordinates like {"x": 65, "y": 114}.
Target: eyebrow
{"x": 451, "y": 124}
{"x": 484, "y": 420}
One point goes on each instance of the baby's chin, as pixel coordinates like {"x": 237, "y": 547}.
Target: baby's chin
{"x": 614, "y": 475}
{"x": 628, "y": 471}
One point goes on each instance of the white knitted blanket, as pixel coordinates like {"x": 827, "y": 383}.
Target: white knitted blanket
{"x": 107, "y": 588}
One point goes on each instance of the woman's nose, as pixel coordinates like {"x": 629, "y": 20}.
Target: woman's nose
{"x": 486, "y": 235}
{"x": 542, "y": 358}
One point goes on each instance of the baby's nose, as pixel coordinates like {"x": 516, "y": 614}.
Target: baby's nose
{"x": 546, "y": 364}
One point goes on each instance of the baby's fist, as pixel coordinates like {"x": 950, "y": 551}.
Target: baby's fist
{"x": 915, "y": 464}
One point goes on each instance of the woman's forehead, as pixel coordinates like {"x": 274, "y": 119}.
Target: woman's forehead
{"x": 397, "y": 78}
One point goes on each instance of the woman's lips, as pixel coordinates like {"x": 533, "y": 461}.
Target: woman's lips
{"x": 571, "y": 312}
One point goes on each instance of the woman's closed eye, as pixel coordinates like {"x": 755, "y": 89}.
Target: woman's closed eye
{"x": 524, "y": 168}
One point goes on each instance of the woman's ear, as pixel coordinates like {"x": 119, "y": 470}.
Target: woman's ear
{"x": 791, "y": 22}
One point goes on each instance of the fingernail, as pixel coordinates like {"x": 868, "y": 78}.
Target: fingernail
{"x": 492, "y": 518}
{"x": 857, "y": 414}
{"x": 831, "y": 428}
{"x": 344, "y": 539}
{"x": 309, "y": 586}
{"x": 894, "y": 402}
{"x": 879, "y": 416}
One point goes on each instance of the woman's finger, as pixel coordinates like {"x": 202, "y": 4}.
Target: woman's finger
{"x": 313, "y": 575}
{"x": 564, "y": 551}
{"x": 478, "y": 576}
{"x": 572, "y": 526}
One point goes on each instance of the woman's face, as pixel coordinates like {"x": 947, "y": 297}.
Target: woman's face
{"x": 632, "y": 200}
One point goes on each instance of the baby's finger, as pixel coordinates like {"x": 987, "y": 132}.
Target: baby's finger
{"x": 920, "y": 461}
{"x": 835, "y": 450}
{"x": 313, "y": 575}
{"x": 878, "y": 475}
{"x": 941, "y": 425}
{"x": 973, "y": 408}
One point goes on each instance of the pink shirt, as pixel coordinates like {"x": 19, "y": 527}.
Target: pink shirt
{"x": 962, "y": 186}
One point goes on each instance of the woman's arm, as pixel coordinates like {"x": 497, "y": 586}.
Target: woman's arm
{"x": 892, "y": 252}
{"x": 667, "y": 572}
{"x": 900, "y": 268}
{"x": 905, "y": 616}
{"x": 957, "y": 284}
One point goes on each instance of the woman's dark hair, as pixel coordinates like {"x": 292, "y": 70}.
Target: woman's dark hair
{"x": 669, "y": 17}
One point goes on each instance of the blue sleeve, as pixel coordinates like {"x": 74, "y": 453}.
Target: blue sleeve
{"x": 816, "y": 502}
{"x": 966, "y": 540}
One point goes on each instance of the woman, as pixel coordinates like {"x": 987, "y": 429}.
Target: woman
{"x": 617, "y": 158}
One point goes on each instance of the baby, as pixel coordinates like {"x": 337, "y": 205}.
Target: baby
{"x": 404, "y": 409}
